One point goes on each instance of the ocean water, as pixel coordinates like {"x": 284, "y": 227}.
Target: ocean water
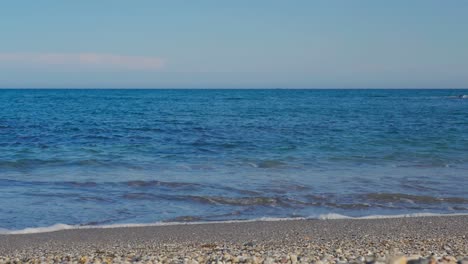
{"x": 103, "y": 157}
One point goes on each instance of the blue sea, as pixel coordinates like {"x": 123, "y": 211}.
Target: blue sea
{"x": 104, "y": 157}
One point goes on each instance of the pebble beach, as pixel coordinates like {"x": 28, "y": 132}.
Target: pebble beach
{"x": 431, "y": 239}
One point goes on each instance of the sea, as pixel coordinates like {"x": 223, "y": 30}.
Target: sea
{"x": 95, "y": 157}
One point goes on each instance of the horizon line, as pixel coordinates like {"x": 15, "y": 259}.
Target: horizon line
{"x": 230, "y": 88}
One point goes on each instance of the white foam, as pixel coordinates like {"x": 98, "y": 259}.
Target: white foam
{"x": 32, "y": 230}
{"x": 339, "y": 216}
{"x": 330, "y": 216}
{"x": 59, "y": 227}
{"x": 333, "y": 216}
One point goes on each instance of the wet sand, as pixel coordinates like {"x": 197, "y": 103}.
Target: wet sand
{"x": 441, "y": 238}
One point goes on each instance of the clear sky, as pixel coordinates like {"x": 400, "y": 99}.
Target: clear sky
{"x": 234, "y": 44}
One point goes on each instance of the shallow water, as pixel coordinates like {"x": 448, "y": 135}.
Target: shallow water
{"x": 98, "y": 157}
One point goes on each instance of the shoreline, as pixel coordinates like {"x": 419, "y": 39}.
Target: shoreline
{"x": 330, "y": 216}
{"x": 290, "y": 241}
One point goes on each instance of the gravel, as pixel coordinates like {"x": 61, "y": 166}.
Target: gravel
{"x": 412, "y": 240}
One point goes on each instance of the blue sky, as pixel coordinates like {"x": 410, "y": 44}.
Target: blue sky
{"x": 234, "y": 44}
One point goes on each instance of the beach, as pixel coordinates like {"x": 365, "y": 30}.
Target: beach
{"x": 234, "y": 132}
{"x": 233, "y": 176}
{"x": 397, "y": 240}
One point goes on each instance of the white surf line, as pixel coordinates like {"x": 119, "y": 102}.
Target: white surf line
{"x": 330, "y": 216}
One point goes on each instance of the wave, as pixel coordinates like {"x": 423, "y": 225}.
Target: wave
{"x": 240, "y": 201}
{"x": 330, "y": 216}
{"x": 161, "y": 183}
{"x": 268, "y": 164}
{"x": 56, "y": 162}
{"x": 24, "y": 163}
{"x": 81, "y": 184}
{"x": 402, "y": 201}
{"x": 461, "y": 96}
{"x": 217, "y": 200}
{"x": 234, "y": 98}
{"x": 424, "y": 199}
{"x": 333, "y": 216}
{"x": 93, "y": 184}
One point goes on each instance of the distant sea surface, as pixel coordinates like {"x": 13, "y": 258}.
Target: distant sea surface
{"x": 99, "y": 157}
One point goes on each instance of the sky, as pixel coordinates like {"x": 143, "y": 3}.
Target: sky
{"x": 234, "y": 44}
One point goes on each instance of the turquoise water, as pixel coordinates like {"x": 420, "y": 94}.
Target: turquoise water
{"x": 96, "y": 157}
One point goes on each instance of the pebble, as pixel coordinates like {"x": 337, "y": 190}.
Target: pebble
{"x": 293, "y": 258}
{"x": 337, "y": 252}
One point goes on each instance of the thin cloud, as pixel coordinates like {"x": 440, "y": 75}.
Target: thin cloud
{"x": 103, "y": 61}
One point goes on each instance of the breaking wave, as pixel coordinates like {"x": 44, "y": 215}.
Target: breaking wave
{"x": 187, "y": 220}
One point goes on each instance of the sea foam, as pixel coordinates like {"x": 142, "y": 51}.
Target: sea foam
{"x": 330, "y": 216}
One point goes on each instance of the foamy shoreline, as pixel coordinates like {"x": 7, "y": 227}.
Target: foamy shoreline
{"x": 292, "y": 241}
{"x": 331, "y": 216}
